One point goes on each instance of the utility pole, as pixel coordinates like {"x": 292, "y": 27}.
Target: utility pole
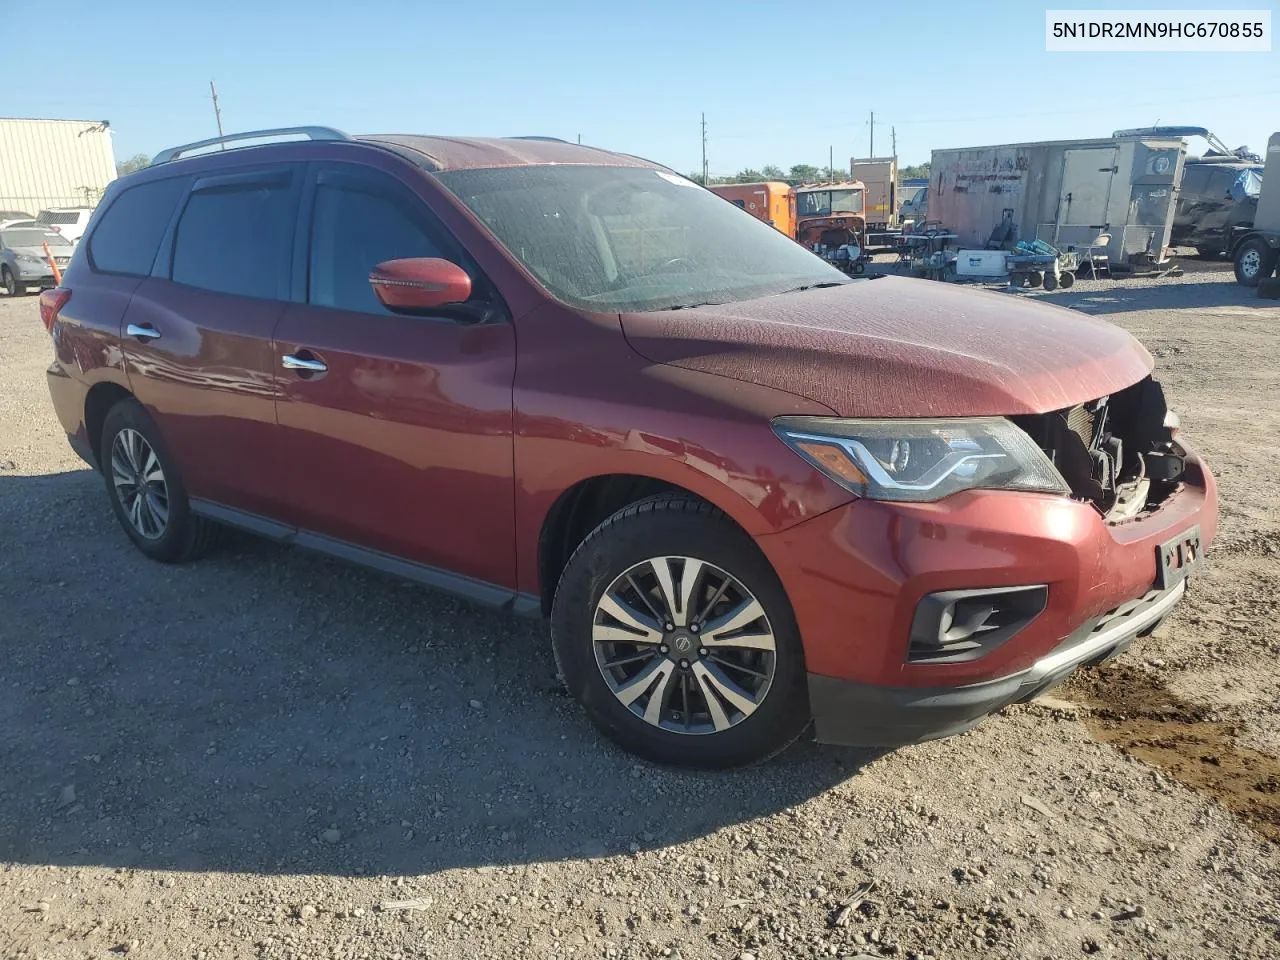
{"x": 893, "y": 134}
{"x": 831, "y": 163}
{"x": 217, "y": 112}
{"x": 704, "y": 149}
{"x": 873, "y": 134}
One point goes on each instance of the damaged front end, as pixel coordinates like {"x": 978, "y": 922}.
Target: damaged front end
{"x": 1118, "y": 452}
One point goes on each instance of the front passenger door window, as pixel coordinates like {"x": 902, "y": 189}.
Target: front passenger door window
{"x": 352, "y": 232}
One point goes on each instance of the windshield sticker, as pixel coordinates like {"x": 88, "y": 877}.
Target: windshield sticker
{"x": 673, "y": 178}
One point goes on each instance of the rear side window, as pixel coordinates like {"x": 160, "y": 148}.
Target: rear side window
{"x": 237, "y": 239}
{"x": 128, "y": 237}
{"x": 57, "y": 216}
{"x": 351, "y": 233}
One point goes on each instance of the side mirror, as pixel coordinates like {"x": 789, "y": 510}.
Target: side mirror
{"x": 419, "y": 283}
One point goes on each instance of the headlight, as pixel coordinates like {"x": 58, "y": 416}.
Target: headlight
{"x": 29, "y": 259}
{"x": 921, "y": 460}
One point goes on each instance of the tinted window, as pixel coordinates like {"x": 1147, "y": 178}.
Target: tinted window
{"x": 57, "y": 216}
{"x": 33, "y": 237}
{"x": 129, "y": 235}
{"x": 352, "y": 232}
{"x": 237, "y": 239}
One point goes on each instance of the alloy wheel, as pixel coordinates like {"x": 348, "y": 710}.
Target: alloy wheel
{"x": 684, "y": 645}
{"x": 140, "y": 484}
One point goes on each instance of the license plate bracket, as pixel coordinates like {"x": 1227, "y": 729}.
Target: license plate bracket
{"x": 1176, "y": 558}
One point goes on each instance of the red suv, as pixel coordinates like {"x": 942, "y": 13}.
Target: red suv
{"x": 749, "y": 492}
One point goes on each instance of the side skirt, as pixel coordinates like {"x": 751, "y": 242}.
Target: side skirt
{"x": 479, "y": 591}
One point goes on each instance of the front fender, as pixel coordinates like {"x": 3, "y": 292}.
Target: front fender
{"x": 587, "y": 406}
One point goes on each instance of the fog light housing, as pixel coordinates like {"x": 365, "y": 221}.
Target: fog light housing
{"x": 953, "y": 626}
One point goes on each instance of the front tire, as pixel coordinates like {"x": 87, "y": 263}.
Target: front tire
{"x": 674, "y": 633}
{"x": 146, "y": 491}
{"x": 1254, "y": 261}
{"x": 9, "y": 282}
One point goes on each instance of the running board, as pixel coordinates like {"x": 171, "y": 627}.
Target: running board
{"x": 479, "y": 591}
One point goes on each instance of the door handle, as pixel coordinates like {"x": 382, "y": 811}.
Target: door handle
{"x": 144, "y": 332}
{"x": 291, "y": 362}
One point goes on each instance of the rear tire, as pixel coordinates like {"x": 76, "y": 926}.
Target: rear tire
{"x": 663, "y": 695}
{"x": 1254, "y": 261}
{"x": 146, "y": 490}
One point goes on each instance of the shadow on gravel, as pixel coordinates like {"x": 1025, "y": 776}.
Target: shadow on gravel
{"x": 1101, "y": 297}
{"x": 271, "y": 711}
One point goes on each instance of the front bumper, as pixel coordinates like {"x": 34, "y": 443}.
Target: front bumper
{"x": 862, "y": 715}
{"x": 29, "y": 275}
{"x": 856, "y": 576}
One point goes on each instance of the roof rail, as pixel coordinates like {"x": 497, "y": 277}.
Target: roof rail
{"x": 311, "y": 133}
{"x": 546, "y": 139}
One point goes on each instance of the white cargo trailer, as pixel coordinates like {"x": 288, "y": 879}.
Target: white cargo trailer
{"x": 1064, "y": 192}
{"x": 54, "y": 163}
{"x": 880, "y": 176}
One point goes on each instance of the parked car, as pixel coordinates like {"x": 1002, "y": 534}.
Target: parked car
{"x": 14, "y": 215}
{"x": 71, "y": 222}
{"x": 1218, "y": 195}
{"x": 22, "y": 258}
{"x": 915, "y": 207}
{"x": 6, "y": 224}
{"x": 748, "y": 491}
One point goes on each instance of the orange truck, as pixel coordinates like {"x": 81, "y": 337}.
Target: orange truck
{"x": 827, "y": 218}
{"x": 773, "y": 202}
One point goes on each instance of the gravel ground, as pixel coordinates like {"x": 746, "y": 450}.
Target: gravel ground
{"x": 269, "y": 754}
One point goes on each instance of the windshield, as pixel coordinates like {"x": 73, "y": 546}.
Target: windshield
{"x": 633, "y": 238}
{"x": 822, "y": 203}
{"x": 32, "y": 237}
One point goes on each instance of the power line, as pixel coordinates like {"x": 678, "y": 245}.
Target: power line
{"x": 1070, "y": 111}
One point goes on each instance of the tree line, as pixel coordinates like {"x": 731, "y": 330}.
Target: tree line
{"x": 799, "y": 173}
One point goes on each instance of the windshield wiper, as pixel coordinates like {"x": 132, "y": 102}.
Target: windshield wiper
{"x": 700, "y": 303}
{"x": 816, "y": 286}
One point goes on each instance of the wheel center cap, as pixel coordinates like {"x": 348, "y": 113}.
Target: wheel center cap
{"x": 681, "y": 642}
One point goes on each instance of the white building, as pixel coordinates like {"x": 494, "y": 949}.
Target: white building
{"x": 54, "y": 163}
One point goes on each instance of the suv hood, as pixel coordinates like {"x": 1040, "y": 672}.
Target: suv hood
{"x": 896, "y": 347}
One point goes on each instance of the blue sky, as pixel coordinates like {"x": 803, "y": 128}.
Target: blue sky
{"x": 776, "y": 87}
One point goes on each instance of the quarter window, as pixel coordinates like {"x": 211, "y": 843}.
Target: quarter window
{"x": 127, "y": 239}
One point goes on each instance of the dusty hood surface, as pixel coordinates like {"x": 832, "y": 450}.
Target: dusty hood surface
{"x": 896, "y": 347}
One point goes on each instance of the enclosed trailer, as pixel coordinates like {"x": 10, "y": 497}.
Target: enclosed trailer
{"x": 880, "y": 177}
{"x": 54, "y": 163}
{"x": 1065, "y": 192}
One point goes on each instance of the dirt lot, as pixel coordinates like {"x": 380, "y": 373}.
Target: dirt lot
{"x": 268, "y": 754}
